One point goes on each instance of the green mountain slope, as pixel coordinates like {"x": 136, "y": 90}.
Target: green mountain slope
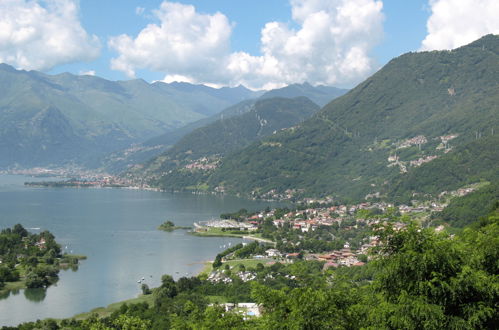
{"x": 417, "y": 108}
{"x": 469, "y": 209}
{"x": 197, "y": 153}
{"x": 121, "y": 160}
{"x": 470, "y": 163}
{"x": 86, "y": 116}
{"x": 320, "y": 95}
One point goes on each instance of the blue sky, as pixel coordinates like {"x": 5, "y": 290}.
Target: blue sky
{"x": 227, "y": 42}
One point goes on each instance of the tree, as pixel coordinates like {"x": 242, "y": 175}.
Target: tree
{"x": 218, "y": 261}
{"x": 19, "y": 230}
{"x": 168, "y": 287}
{"x": 145, "y": 289}
{"x": 423, "y": 273}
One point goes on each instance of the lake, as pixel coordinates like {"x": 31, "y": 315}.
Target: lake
{"x": 116, "y": 230}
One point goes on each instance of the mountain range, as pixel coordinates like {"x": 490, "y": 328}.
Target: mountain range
{"x": 140, "y": 153}
{"x": 421, "y": 113}
{"x": 58, "y": 119}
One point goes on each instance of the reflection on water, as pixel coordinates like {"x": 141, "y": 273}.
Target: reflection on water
{"x": 4, "y": 294}
{"x": 74, "y": 268}
{"x": 35, "y": 295}
{"x": 116, "y": 230}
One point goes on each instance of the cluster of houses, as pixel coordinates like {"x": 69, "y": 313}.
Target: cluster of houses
{"x": 288, "y": 194}
{"x": 343, "y": 257}
{"x": 421, "y": 160}
{"x": 417, "y": 140}
{"x": 458, "y": 193}
{"x": 204, "y": 164}
{"x": 393, "y": 160}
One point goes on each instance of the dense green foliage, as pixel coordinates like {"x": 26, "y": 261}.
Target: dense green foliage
{"x": 470, "y": 163}
{"x": 343, "y": 149}
{"x": 37, "y": 256}
{"x": 468, "y": 209}
{"x": 234, "y": 133}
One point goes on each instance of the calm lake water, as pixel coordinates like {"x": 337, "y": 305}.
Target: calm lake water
{"x": 116, "y": 230}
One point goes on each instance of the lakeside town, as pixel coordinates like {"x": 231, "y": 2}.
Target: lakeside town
{"x": 290, "y": 235}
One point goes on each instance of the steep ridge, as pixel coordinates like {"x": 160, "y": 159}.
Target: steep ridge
{"x": 417, "y": 108}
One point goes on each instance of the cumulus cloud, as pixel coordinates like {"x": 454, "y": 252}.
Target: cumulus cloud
{"x": 184, "y": 43}
{"x": 39, "y": 36}
{"x": 454, "y": 23}
{"x": 331, "y": 46}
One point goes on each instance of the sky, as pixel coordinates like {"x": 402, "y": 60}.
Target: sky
{"x": 259, "y": 44}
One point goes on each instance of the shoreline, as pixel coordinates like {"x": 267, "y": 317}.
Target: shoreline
{"x": 21, "y": 283}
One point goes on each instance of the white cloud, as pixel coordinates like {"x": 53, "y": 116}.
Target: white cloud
{"x": 185, "y": 42}
{"x": 454, "y": 23}
{"x": 40, "y": 35}
{"x": 331, "y": 46}
{"x": 87, "y": 73}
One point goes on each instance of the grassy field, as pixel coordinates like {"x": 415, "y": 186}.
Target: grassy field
{"x": 149, "y": 299}
{"x": 13, "y": 286}
{"x": 248, "y": 263}
{"x": 218, "y": 233}
{"x": 106, "y": 311}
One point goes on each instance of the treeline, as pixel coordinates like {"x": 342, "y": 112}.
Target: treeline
{"x": 239, "y": 251}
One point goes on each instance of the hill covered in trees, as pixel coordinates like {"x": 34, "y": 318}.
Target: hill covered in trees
{"x": 140, "y": 153}
{"x": 419, "y": 108}
{"x": 200, "y": 151}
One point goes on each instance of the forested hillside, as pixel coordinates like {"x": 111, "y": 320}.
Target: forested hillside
{"x": 141, "y": 153}
{"x": 199, "y": 152}
{"x": 417, "y": 109}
